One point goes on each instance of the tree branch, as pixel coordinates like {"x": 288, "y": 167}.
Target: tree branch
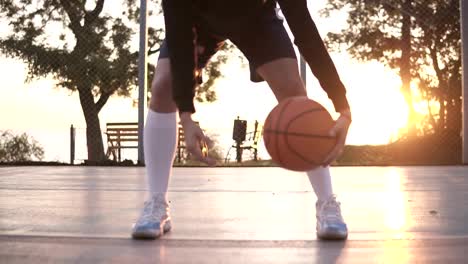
{"x": 75, "y": 20}
{"x": 435, "y": 65}
{"x": 102, "y": 101}
{"x": 91, "y": 16}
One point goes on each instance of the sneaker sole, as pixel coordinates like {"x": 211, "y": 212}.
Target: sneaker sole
{"x": 153, "y": 235}
{"x": 332, "y": 236}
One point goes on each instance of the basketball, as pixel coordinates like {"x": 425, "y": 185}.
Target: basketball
{"x": 296, "y": 134}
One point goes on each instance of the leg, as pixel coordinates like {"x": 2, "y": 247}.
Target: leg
{"x": 160, "y": 139}
{"x": 270, "y": 52}
{"x": 283, "y": 78}
{"x": 160, "y": 142}
{"x": 282, "y": 75}
{"x": 161, "y": 88}
{"x": 161, "y": 125}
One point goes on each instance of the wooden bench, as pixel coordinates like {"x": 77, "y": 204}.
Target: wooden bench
{"x": 121, "y": 136}
{"x": 125, "y": 136}
{"x": 181, "y": 149}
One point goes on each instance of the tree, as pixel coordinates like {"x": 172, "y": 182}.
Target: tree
{"x": 421, "y": 38}
{"x": 19, "y": 148}
{"x": 84, "y": 49}
{"x": 438, "y": 48}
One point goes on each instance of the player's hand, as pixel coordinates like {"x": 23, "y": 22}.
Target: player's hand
{"x": 340, "y": 131}
{"x": 195, "y": 141}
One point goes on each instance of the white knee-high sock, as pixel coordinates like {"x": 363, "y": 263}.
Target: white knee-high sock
{"x": 160, "y": 140}
{"x": 320, "y": 179}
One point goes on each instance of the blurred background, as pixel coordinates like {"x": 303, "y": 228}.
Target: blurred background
{"x": 69, "y": 90}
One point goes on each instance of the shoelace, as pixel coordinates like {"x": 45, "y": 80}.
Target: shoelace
{"x": 152, "y": 211}
{"x": 331, "y": 210}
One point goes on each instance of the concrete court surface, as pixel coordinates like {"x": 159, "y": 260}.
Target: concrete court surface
{"x": 233, "y": 215}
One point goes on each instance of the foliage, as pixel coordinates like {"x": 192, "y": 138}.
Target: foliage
{"x": 85, "y": 49}
{"x": 205, "y": 92}
{"x": 19, "y": 148}
{"x": 421, "y": 38}
{"x": 434, "y": 149}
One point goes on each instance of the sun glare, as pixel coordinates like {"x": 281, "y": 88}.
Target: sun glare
{"x": 379, "y": 109}
{"x": 395, "y": 213}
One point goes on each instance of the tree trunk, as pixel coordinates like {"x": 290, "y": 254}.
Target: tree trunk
{"x": 454, "y": 114}
{"x": 442, "y": 113}
{"x": 93, "y": 128}
{"x": 405, "y": 66}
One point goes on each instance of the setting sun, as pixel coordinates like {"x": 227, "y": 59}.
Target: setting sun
{"x": 378, "y": 106}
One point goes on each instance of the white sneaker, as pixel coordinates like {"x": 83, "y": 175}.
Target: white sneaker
{"x": 154, "y": 220}
{"x": 330, "y": 223}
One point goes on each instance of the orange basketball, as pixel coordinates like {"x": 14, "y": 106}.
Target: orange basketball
{"x": 296, "y": 134}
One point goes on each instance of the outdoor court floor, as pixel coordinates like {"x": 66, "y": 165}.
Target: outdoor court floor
{"x": 233, "y": 215}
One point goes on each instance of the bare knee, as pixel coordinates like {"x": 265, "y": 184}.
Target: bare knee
{"x": 161, "y": 89}
{"x": 283, "y": 77}
{"x": 289, "y": 87}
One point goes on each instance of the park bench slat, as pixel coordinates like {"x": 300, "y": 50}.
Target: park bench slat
{"x": 120, "y": 134}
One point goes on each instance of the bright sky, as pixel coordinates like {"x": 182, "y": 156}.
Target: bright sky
{"x": 378, "y": 107}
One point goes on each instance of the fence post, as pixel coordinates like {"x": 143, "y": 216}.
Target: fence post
{"x": 72, "y": 144}
{"x": 464, "y": 37}
{"x": 303, "y": 67}
{"x": 142, "y": 78}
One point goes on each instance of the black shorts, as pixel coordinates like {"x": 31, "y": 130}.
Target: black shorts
{"x": 264, "y": 40}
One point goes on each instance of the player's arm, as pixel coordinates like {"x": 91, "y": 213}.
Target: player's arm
{"x": 178, "y": 18}
{"x": 312, "y": 48}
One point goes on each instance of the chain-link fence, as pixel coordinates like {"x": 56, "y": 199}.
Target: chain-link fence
{"x": 420, "y": 42}
{"x": 400, "y": 61}
{"x": 87, "y": 51}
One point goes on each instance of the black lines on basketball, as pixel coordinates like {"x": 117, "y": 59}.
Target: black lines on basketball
{"x": 304, "y": 113}
{"x": 288, "y": 134}
{"x": 270, "y": 131}
{"x": 278, "y": 123}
